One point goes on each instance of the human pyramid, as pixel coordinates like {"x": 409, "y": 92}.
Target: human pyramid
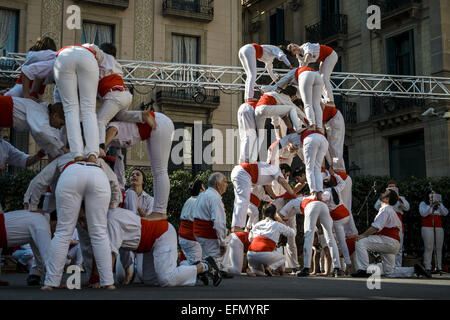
{"x": 127, "y": 233}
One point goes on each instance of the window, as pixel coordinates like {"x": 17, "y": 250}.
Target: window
{"x": 407, "y": 156}
{"x": 277, "y": 27}
{"x": 328, "y": 8}
{"x": 185, "y": 49}
{"x": 9, "y": 26}
{"x": 400, "y": 54}
{"x": 186, "y": 5}
{"x": 97, "y": 33}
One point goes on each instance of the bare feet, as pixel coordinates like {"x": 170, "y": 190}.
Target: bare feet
{"x": 347, "y": 269}
{"x": 101, "y": 153}
{"x": 95, "y": 285}
{"x": 129, "y": 275}
{"x": 269, "y": 272}
{"x": 77, "y": 159}
{"x": 250, "y": 273}
{"x": 111, "y": 287}
{"x": 46, "y": 288}
{"x": 147, "y": 117}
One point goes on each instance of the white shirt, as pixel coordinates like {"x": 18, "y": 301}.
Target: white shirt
{"x": 108, "y": 66}
{"x": 426, "y": 210}
{"x": 42, "y": 55}
{"x": 29, "y": 115}
{"x": 398, "y": 207}
{"x": 50, "y": 174}
{"x": 209, "y": 207}
{"x": 187, "y": 213}
{"x": 327, "y": 195}
{"x": 291, "y": 208}
{"x": 386, "y": 218}
{"x": 270, "y": 229}
{"x": 40, "y": 70}
{"x": 143, "y": 201}
{"x": 10, "y": 155}
{"x": 267, "y": 173}
{"x": 127, "y": 134}
{"x": 271, "y": 52}
{"x": 311, "y": 48}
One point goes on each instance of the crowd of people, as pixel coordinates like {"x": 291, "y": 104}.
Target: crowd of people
{"x": 122, "y": 233}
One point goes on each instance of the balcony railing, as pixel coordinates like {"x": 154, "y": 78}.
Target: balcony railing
{"x": 190, "y": 96}
{"x": 388, "y": 6}
{"x": 332, "y": 26}
{"x": 348, "y": 110}
{"x": 202, "y": 10}
{"x": 120, "y": 4}
{"x": 392, "y": 106}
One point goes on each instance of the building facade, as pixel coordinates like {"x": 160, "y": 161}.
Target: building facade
{"x": 383, "y": 136}
{"x": 181, "y": 31}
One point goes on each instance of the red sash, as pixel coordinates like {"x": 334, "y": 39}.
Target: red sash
{"x": 76, "y": 45}
{"x": 186, "y": 230}
{"x": 3, "y": 238}
{"x": 255, "y": 200}
{"x": 150, "y": 231}
{"x": 266, "y": 100}
{"x": 328, "y": 113}
{"x": 243, "y": 236}
{"x": 262, "y": 244}
{"x": 351, "y": 245}
{"x": 204, "y": 229}
{"x": 390, "y": 232}
{"x": 341, "y": 174}
{"x": 252, "y": 169}
{"x": 302, "y": 69}
{"x": 181, "y": 256}
{"x": 108, "y": 82}
{"x": 19, "y": 81}
{"x": 306, "y": 133}
{"x": 325, "y": 51}
{"x": 339, "y": 213}
{"x": 144, "y": 129}
{"x": 428, "y": 221}
{"x": 258, "y": 49}
{"x": 252, "y": 103}
{"x": 67, "y": 164}
{"x": 305, "y": 202}
{"x": 6, "y": 111}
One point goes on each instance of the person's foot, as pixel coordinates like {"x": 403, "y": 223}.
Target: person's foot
{"x": 33, "y": 280}
{"x": 226, "y": 275}
{"x": 129, "y": 275}
{"x": 110, "y": 287}
{"x": 213, "y": 271}
{"x": 250, "y": 273}
{"x": 347, "y": 269}
{"x": 47, "y": 288}
{"x": 101, "y": 153}
{"x": 268, "y": 271}
{"x": 78, "y": 159}
{"x": 337, "y": 272}
{"x": 420, "y": 271}
{"x": 361, "y": 274}
{"x": 303, "y": 273}
{"x": 293, "y": 272}
{"x": 148, "y": 119}
{"x": 323, "y": 274}
{"x": 203, "y": 277}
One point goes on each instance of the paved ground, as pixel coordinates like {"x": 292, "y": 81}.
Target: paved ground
{"x": 243, "y": 287}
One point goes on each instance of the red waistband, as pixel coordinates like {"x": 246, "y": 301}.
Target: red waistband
{"x": 305, "y": 203}
{"x": 252, "y": 169}
{"x": 3, "y": 238}
{"x": 390, "y": 232}
{"x": 262, "y": 244}
{"x": 339, "y": 213}
{"x": 243, "y": 236}
{"x": 150, "y": 231}
{"x": 6, "y": 111}
{"x": 255, "y": 200}
{"x": 306, "y": 133}
{"x": 113, "y": 82}
{"x": 76, "y": 45}
{"x": 267, "y": 100}
{"x": 328, "y": 113}
{"x": 144, "y": 129}
{"x": 301, "y": 70}
{"x": 325, "y": 51}
{"x": 186, "y": 230}
{"x": 204, "y": 229}
{"x": 259, "y": 50}
{"x": 428, "y": 221}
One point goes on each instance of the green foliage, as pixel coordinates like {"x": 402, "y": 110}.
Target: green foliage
{"x": 12, "y": 189}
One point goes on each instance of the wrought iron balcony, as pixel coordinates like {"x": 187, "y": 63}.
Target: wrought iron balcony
{"x": 189, "y": 96}
{"x": 327, "y": 29}
{"x": 392, "y": 10}
{"x": 390, "y": 112}
{"x": 120, "y": 4}
{"x": 201, "y": 10}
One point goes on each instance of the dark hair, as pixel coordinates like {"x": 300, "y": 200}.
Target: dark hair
{"x": 109, "y": 48}
{"x": 298, "y": 172}
{"x": 392, "y": 182}
{"x": 269, "y": 210}
{"x": 144, "y": 177}
{"x": 298, "y": 102}
{"x": 53, "y": 216}
{"x": 56, "y": 108}
{"x": 195, "y": 187}
{"x": 391, "y": 195}
{"x": 290, "y": 91}
{"x": 285, "y": 167}
{"x": 285, "y": 50}
{"x": 44, "y": 43}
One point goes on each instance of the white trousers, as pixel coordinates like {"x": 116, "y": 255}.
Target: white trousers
{"x": 158, "y": 149}
{"x": 210, "y": 248}
{"x": 247, "y": 55}
{"x": 76, "y": 75}
{"x": 335, "y": 128}
{"x": 24, "y": 227}
{"x": 263, "y": 112}
{"x": 315, "y": 147}
{"x": 399, "y": 255}
{"x": 385, "y": 246}
{"x": 291, "y": 246}
{"x": 325, "y": 69}
{"x": 257, "y": 261}
{"x": 115, "y": 104}
{"x": 192, "y": 250}
{"x": 159, "y": 266}
{"x": 242, "y": 189}
{"x": 79, "y": 183}
{"x": 428, "y": 242}
{"x": 319, "y": 211}
{"x": 233, "y": 258}
{"x": 76, "y": 255}
{"x": 338, "y": 226}
{"x": 310, "y": 85}
{"x": 253, "y": 215}
{"x": 247, "y": 134}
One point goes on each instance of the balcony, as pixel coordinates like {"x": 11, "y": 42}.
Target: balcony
{"x": 393, "y": 10}
{"x": 348, "y": 110}
{"x": 119, "y": 4}
{"x": 391, "y": 112}
{"x": 7, "y": 80}
{"x": 192, "y": 97}
{"x": 328, "y": 30}
{"x": 200, "y": 10}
